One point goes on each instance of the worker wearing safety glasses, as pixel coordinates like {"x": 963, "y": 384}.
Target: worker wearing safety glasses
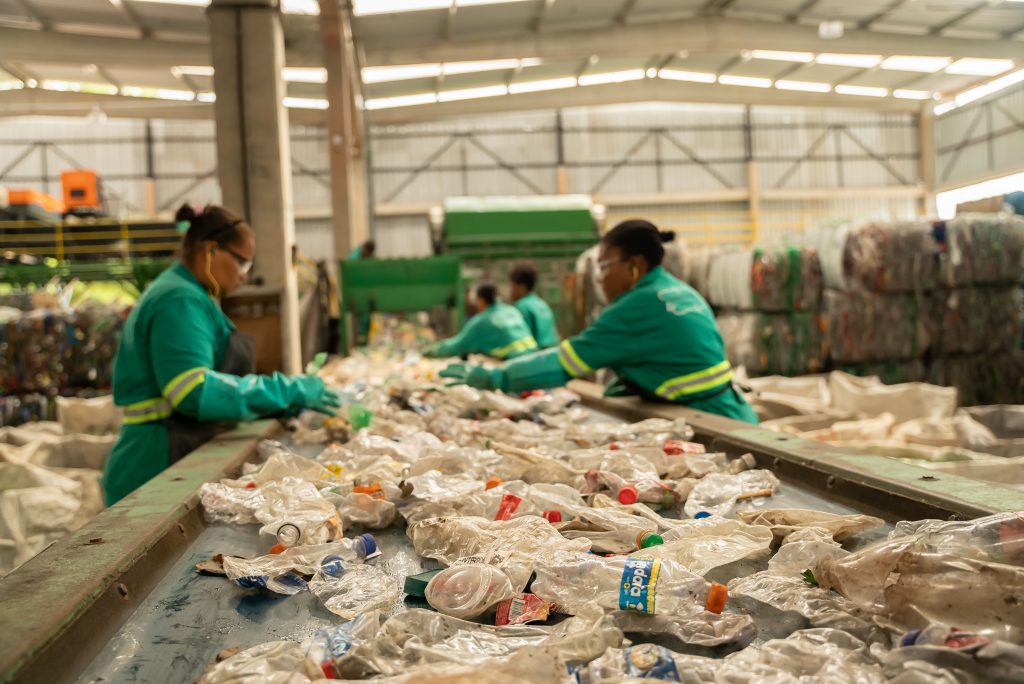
{"x": 183, "y": 373}
{"x": 658, "y": 335}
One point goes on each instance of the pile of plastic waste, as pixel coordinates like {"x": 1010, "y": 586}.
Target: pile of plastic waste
{"x": 50, "y": 476}
{"x": 544, "y": 545}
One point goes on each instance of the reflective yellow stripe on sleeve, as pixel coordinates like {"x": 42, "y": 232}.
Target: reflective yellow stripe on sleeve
{"x": 571, "y": 361}
{"x": 523, "y": 344}
{"x": 146, "y": 411}
{"x": 178, "y": 388}
{"x": 695, "y": 383}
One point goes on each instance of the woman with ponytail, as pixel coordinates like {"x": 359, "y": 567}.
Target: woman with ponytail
{"x": 658, "y": 335}
{"x": 183, "y": 373}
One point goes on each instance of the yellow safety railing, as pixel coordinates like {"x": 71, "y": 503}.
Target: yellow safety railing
{"x": 63, "y": 240}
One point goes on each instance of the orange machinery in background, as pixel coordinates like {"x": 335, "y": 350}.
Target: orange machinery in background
{"x": 82, "y": 195}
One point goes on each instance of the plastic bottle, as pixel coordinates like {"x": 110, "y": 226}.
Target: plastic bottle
{"x": 938, "y": 634}
{"x": 349, "y": 551}
{"x": 468, "y": 591}
{"x": 646, "y": 540}
{"x": 288, "y": 535}
{"x": 645, "y": 585}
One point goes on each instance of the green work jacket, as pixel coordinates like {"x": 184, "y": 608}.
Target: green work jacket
{"x": 539, "y": 318}
{"x": 498, "y": 331}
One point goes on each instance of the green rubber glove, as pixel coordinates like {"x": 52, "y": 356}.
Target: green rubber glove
{"x": 316, "y": 396}
{"x": 475, "y": 376}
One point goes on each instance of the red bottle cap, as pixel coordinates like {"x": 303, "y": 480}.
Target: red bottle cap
{"x": 628, "y": 495}
{"x": 553, "y": 516}
{"x": 492, "y": 482}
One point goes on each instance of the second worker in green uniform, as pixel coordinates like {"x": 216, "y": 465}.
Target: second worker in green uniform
{"x": 536, "y": 312}
{"x": 498, "y": 330}
{"x": 658, "y": 335}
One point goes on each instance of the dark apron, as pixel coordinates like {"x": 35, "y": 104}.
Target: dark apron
{"x": 185, "y": 433}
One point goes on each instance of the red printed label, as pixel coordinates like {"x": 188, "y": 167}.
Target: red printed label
{"x": 509, "y": 504}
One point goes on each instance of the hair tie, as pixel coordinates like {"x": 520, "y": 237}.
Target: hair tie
{"x": 183, "y": 226}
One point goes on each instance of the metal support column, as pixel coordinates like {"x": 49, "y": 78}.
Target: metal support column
{"x": 253, "y": 149}
{"x": 926, "y": 158}
{"x": 348, "y": 176}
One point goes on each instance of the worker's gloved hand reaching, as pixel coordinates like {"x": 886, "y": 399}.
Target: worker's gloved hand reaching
{"x": 473, "y": 375}
{"x": 432, "y": 351}
{"x": 316, "y": 396}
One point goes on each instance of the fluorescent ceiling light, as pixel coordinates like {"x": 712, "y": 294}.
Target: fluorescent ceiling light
{"x": 207, "y": 97}
{"x": 304, "y": 102}
{"x": 805, "y": 86}
{"x": 401, "y": 101}
{"x": 179, "y": 71}
{"x": 386, "y": 74}
{"x": 11, "y": 85}
{"x": 927, "y": 65}
{"x": 304, "y": 74}
{"x": 905, "y": 94}
{"x": 287, "y": 6}
{"x": 782, "y": 55}
{"x": 449, "y": 68}
{"x": 77, "y": 87}
{"x": 847, "y": 60}
{"x": 158, "y": 93}
{"x": 535, "y": 86}
{"x": 612, "y": 77}
{"x": 969, "y": 66}
{"x": 362, "y": 7}
{"x": 693, "y": 76}
{"x": 861, "y": 90}
{"x": 747, "y": 81}
{"x": 472, "y": 93}
{"x": 981, "y": 91}
{"x": 946, "y": 201}
{"x": 944, "y": 108}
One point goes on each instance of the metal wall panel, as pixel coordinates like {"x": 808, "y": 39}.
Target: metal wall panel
{"x": 982, "y": 139}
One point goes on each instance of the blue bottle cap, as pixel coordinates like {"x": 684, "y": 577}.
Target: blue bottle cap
{"x": 333, "y": 566}
{"x": 701, "y": 514}
{"x": 369, "y": 543}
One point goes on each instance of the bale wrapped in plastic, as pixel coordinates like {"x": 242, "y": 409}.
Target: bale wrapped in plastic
{"x": 876, "y": 327}
{"x": 976, "y": 319}
{"x": 774, "y": 343}
{"x": 980, "y": 249}
{"x": 878, "y": 256}
{"x": 982, "y": 378}
{"x": 766, "y": 279}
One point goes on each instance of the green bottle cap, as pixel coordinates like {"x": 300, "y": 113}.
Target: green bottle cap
{"x": 649, "y": 539}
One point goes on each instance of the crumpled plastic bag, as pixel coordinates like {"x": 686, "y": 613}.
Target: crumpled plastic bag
{"x": 804, "y": 549}
{"x": 703, "y": 629}
{"x": 995, "y": 663}
{"x": 421, "y": 637}
{"x": 784, "y": 521}
{"x": 702, "y": 545}
{"x": 908, "y": 401}
{"x": 357, "y": 590}
{"x": 89, "y": 416}
{"x": 515, "y": 545}
{"x": 862, "y": 576}
{"x": 273, "y": 662}
{"x": 799, "y": 605}
{"x": 810, "y": 655}
{"x": 283, "y": 572}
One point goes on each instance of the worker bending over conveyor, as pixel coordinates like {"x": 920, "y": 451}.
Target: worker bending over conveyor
{"x": 183, "y": 373}
{"x": 658, "y": 335}
{"x": 498, "y": 330}
{"x": 536, "y": 312}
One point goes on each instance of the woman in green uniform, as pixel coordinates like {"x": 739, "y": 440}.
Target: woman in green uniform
{"x": 536, "y": 312}
{"x": 183, "y": 373}
{"x": 498, "y": 330}
{"x": 658, "y": 335}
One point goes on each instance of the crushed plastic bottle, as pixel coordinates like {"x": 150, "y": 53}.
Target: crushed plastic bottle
{"x": 645, "y": 585}
{"x": 349, "y": 590}
{"x": 283, "y": 572}
{"x": 718, "y": 493}
{"x": 468, "y": 590}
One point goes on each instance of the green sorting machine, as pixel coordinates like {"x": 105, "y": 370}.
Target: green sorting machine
{"x": 492, "y": 234}
{"x": 399, "y": 286}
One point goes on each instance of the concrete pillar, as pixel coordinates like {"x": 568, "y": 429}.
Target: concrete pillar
{"x": 926, "y": 157}
{"x": 754, "y": 201}
{"x": 346, "y": 145}
{"x": 253, "y": 151}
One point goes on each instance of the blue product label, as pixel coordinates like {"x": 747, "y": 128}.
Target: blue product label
{"x": 639, "y": 582}
{"x": 648, "y": 661}
{"x": 253, "y": 582}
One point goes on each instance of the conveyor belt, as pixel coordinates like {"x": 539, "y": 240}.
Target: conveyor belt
{"x": 120, "y": 601}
